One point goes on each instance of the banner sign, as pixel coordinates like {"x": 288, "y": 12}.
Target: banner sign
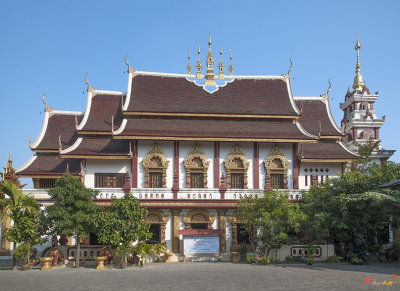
{"x": 208, "y": 244}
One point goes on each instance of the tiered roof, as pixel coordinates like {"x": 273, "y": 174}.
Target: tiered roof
{"x": 161, "y": 106}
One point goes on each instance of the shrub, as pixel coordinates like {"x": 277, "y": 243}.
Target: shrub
{"x": 356, "y": 261}
{"x": 250, "y": 259}
{"x": 264, "y": 260}
{"x": 289, "y": 259}
{"x": 334, "y": 259}
{"x": 310, "y": 260}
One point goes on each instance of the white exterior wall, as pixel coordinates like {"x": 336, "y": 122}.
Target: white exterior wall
{"x": 144, "y": 147}
{"x": 184, "y": 149}
{"x": 335, "y": 169}
{"x": 105, "y": 166}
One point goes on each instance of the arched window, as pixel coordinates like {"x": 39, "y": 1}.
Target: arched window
{"x": 196, "y": 166}
{"x": 155, "y": 166}
{"x": 276, "y": 167}
{"x": 198, "y": 219}
{"x": 158, "y": 222}
{"x": 236, "y": 166}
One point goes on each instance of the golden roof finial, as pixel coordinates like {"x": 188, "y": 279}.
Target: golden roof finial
{"x": 230, "y": 64}
{"x": 221, "y": 67}
{"x": 348, "y": 90}
{"x": 127, "y": 63}
{"x": 189, "y": 66}
{"x": 210, "y": 65}
{"x": 358, "y": 82}
{"x": 291, "y": 66}
{"x": 30, "y": 142}
{"x": 9, "y": 166}
{"x": 198, "y": 67}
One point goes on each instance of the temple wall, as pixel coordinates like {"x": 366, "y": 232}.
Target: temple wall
{"x": 335, "y": 169}
{"x": 104, "y": 166}
{"x": 144, "y": 147}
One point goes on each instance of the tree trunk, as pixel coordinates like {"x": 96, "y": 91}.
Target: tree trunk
{"x": 14, "y": 266}
{"x": 78, "y": 251}
{"x": 124, "y": 262}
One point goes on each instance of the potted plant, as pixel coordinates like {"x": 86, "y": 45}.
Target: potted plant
{"x": 158, "y": 250}
{"x": 243, "y": 251}
{"x": 309, "y": 260}
{"x": 265, "y": 261}
{"x": 143, "y": 249}
{"x": 23, "y": 252}
{"x": 250, "y": 259}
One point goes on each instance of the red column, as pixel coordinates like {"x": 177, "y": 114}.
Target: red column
{"x": 175, "y": 186}
{"x": 295, "y": 167}
{"x": 376, "y": 133}
{"x": 256, "y": 166}
{"x": 134, "y": 166}
{"x": 216, "y": 164}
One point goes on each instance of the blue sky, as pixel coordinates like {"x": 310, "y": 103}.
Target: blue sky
{"x": 50, "y": 45}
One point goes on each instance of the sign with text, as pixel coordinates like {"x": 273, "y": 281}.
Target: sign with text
{"x": 193, "y": 245}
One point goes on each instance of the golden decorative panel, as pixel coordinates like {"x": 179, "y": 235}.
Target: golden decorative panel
{"x": 198, "y": 216}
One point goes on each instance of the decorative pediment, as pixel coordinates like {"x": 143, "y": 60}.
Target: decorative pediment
{"x": 276, "y": 160}
{"x": 237, "y": 160}
{"x": 198, "y": 216}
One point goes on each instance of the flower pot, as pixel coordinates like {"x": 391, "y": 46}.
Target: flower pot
{"x": 235, "y": 257}
{"x": 168, "y": 257}
{"x": 265, "y": 263}
{"x": 100, "y": 262}
{"x": 25, "y": 267}
{"x": 46, "y": 263}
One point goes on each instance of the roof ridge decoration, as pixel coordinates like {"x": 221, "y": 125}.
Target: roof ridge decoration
{"x": 326, "y": 95}
{"x": 46, "y": 107}
{"x": 287, "y": 75}
{"x": 89, "y": 88}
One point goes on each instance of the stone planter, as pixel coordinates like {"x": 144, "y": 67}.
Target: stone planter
{"x": 235, "y": 257}
{"x": 100, "y": 262}
{"x": 25, "y": 267}
{"x": 46, "y": 263}
{"x": 168, "y": 257}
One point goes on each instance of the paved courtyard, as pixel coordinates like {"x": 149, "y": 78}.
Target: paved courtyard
{"x": 206, "y": 276}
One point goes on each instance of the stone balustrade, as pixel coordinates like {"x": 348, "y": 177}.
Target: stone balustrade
{"x": 166, "y": 193}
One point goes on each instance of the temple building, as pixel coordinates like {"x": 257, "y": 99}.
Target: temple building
{"x": 189, "y": 146}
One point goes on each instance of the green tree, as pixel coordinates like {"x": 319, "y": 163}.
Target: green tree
{"x": 121, "y": 224}
{"x": 23, "y": 210}
{"x": 351, "y": 209}
{"x": 73, "y": 212}
{"x": 273, "y": 216}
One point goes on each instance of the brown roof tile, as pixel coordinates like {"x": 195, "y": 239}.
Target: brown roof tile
{"x": 324, "y": 150}
{"x": 48, "y": 165}
{"x": 313, "y": 112}
{"x": 101, "y": 147}
{"x": 59, "y": 124}
{"x": 224, "y": 129}
{"x": 163, "y": 94}
{"x": 102, "y": 109}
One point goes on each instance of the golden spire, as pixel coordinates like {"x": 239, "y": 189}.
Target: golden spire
{"x": 9, "y": 166}
{"x": 358, "y": 83}
{"x": 198, "y": 67}
{"x": 210, "y": 65}
{"x": 189, "y": 66}
{"x": 221, "y": 67}
{"x": 230, "y": 64}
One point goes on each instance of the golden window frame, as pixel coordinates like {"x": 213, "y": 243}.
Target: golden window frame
{"x": 155, "y": 162}
{"x": 196, "y": 162}
{"x": 236, "y": 162}
{"x": 271, "y": 167}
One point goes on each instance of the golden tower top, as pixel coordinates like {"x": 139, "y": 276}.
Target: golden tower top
{"x": 230, "y": 64}
{"x": 221, "y": 67}
{"x": 210, "y": 65}
{"x": 189, "y": 66}
{"x": 358, "y": 83}
{"x": 198, "y": 67}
